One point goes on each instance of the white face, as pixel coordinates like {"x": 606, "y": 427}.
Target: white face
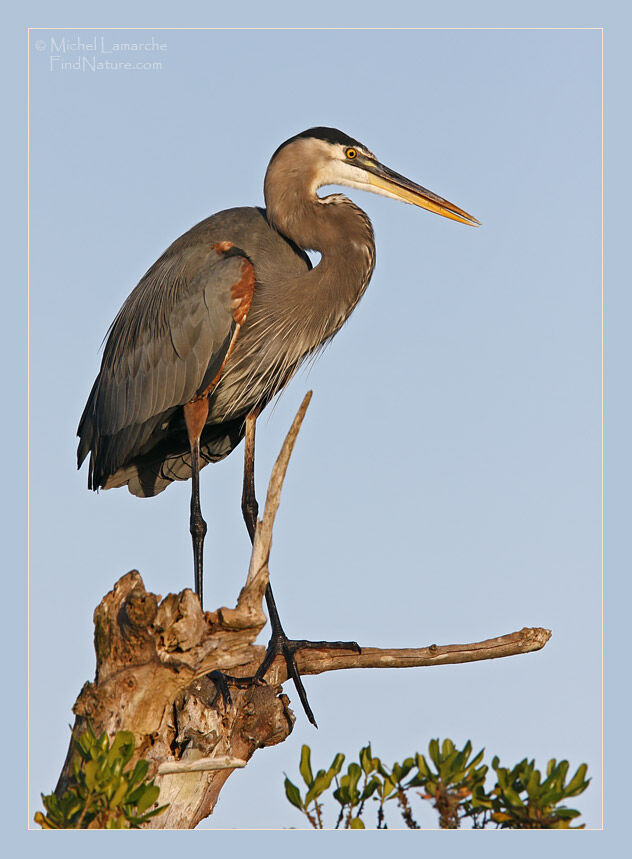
{"x": 335, "y": 167}
{"x": 306, "y": 164}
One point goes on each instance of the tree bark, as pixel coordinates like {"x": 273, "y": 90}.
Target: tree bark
{"x": 154, "y": 656}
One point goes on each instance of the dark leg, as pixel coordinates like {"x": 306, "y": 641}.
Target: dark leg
{"x": 197, "y": 524}
{"x": 279, "y": 642}
{"x": 195, "y": 414}
{"x": 249, "y": 504}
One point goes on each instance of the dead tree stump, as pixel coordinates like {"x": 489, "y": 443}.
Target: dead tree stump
{"x": 153, "y": 660}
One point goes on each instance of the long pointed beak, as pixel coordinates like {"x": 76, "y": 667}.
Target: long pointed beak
{"x": 394, "y": 185}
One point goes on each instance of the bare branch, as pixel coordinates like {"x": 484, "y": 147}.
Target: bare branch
{"x": 263, "y": 537}
{"x": 527, "y": 640}
{"x": 200, "y": 765}
{"x": 249, "y": 609}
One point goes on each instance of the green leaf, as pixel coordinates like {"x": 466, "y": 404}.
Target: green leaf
{"x": 422, "y": 766}
{"x": 447, "y": 748}
{"x": 150, "y": 795}
{"x": 321, "y": 783}
{"x": 370, "y": 789}
{"x": 502, "y": 778}
{"x": 577, "y": 784}
{"x": 122, "y": 747}
{"x": 356, "y": 823}
{"x": 400, "y": 771}
{"x": 533, "y": 784}
{"x": 566, "y": 813}
{"x": 366, "y": 761}
{"x": 134, "y": 794}
{"x": 550, "y": 797}
{"x": 449, "y": 767}
{"x": 480, "y": 799}
{"x": 381, "y": 768}
{"x": 433, "y": 751}
{"x": 90, "y": 770}
{"x": 293, "y": 794}
{"x": 510, "y": 794}
{"x": 351, "y": 780}
{"x": 387, "y": 788}
{"x": 562, "y": 772}
{"x": 341, "y": 795}
{"x": 479, "y": 757}
{"x": 84, "y": 743}
{"x": 305, "y": 767}
{"x": 154, "y": 812}
{"x": 431, "y": 787}
{"x": 140, "y": 771}
{"x": 336, "y": 764}
{"x": 119, "y": 795}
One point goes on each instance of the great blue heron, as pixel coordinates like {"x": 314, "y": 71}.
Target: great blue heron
{"x": 223, "y": 320}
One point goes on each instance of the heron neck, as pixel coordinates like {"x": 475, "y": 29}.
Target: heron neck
{"x": 341, "y": 232}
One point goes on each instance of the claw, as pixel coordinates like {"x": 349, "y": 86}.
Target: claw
{"x": 281, "y": 645}
{"x": 221, "y": 682}
{"x": 224, "y": 681}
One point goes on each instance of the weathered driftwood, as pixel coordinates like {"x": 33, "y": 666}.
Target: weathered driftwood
{"x": 153, "y": 660}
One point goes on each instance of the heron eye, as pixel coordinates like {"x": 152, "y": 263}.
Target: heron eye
{"x": 351, "y": 153}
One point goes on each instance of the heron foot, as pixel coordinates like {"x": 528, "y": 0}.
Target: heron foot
{"x": 281, "y": 645}
{"x": 224, "y": 681}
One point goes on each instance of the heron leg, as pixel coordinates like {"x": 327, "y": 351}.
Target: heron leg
{"x": 249, "y": 503}
{"x": 195, "y": 414}
{"x": 279, "y": 644}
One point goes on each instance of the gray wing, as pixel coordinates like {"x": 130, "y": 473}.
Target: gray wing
{"x": 167, "y": 344}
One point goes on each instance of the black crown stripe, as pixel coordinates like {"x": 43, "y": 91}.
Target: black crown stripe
{"x": 331, "y": 135}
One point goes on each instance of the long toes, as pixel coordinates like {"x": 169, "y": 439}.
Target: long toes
{"x": 302, "y": 694}
{"x": 247, "y": 682}
{"x": 300, "y": 644}
{"x": 280, "y": 645}
{"x": 224, "y": 681}
{"x": 221, "y": 682}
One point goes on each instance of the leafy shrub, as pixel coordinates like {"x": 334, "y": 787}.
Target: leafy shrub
{"x": 103, "y": 793}
{"x": 452, "y": 779}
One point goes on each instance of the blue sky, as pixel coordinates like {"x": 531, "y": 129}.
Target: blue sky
{"x": 450, "y": 462}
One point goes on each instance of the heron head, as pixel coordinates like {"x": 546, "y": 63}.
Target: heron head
{"x": 327, "y": 156}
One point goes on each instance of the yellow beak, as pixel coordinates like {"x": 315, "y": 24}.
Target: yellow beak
{"x": 395, "y": 185}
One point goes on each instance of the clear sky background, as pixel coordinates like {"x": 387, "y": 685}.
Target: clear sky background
{"x": 446, "y": 484}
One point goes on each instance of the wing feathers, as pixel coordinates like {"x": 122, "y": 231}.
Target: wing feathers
{"x": 169, "y": 338}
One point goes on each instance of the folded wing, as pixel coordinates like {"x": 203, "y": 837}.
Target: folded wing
{"x": 166, "y": 345}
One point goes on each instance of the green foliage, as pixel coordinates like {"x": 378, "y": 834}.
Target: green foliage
{"x": 522, "y": 799}
{"x": 103, "y": 792}
{"x": 316, "y": 785}
{"x": 452, "y": 779}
